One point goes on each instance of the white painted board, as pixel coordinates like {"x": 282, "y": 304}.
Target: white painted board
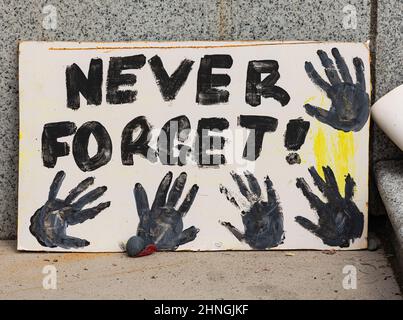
{"x": 324, "y": 106}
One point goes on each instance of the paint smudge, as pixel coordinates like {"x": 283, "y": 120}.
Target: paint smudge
{"x": 293, "y": 158}
{"x": 162, "y": 225}
{"x": 50, "y": 222}
{"x": 350, "y": 102}
{"x": 262, "y": 220}
{"x": 340, "y": 220}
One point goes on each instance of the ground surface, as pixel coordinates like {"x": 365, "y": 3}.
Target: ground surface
{"x": 197, "y": 275}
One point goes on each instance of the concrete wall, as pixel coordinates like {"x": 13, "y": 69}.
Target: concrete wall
{"x": 108, "y": 20}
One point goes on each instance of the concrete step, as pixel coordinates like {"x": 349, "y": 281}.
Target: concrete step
{"x": 198, "y": 275}
{"x": 389, "y": 178}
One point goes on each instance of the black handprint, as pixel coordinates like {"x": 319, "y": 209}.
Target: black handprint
{"x": 49, "y": 223}
{"x": 262, "y": 220}
{"x": 162, "y": 225}
{"x": 339, "y": 219}
{"x": 350, "y": 102}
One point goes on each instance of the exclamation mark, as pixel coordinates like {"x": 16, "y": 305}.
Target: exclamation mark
{"x": 294, "y": 138}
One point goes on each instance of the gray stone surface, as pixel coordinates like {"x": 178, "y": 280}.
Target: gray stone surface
{"x": 389, "y": 46}
{"x": 389, "y": 176}
{"x": 182, "y": 20}
{"x": 197, "y": 275}
{"x": 297, "y": 20}
{"x": 389, "y": 68}
{"x": 389, "y": 74}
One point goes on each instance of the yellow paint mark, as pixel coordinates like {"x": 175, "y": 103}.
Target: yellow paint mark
{"x": 335, "y": 149}
{"x": 309, "y": 99}
{"x": 21, "y": 159}
{"x": 322, "y": 100}
{"x": 320, "y": 149}
{"x": 343, "y": 152}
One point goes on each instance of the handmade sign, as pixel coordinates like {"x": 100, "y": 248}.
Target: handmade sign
{"x": 193, "y": 145}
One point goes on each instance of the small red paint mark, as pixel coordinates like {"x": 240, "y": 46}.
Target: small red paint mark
{"x": 150, "y": 249}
